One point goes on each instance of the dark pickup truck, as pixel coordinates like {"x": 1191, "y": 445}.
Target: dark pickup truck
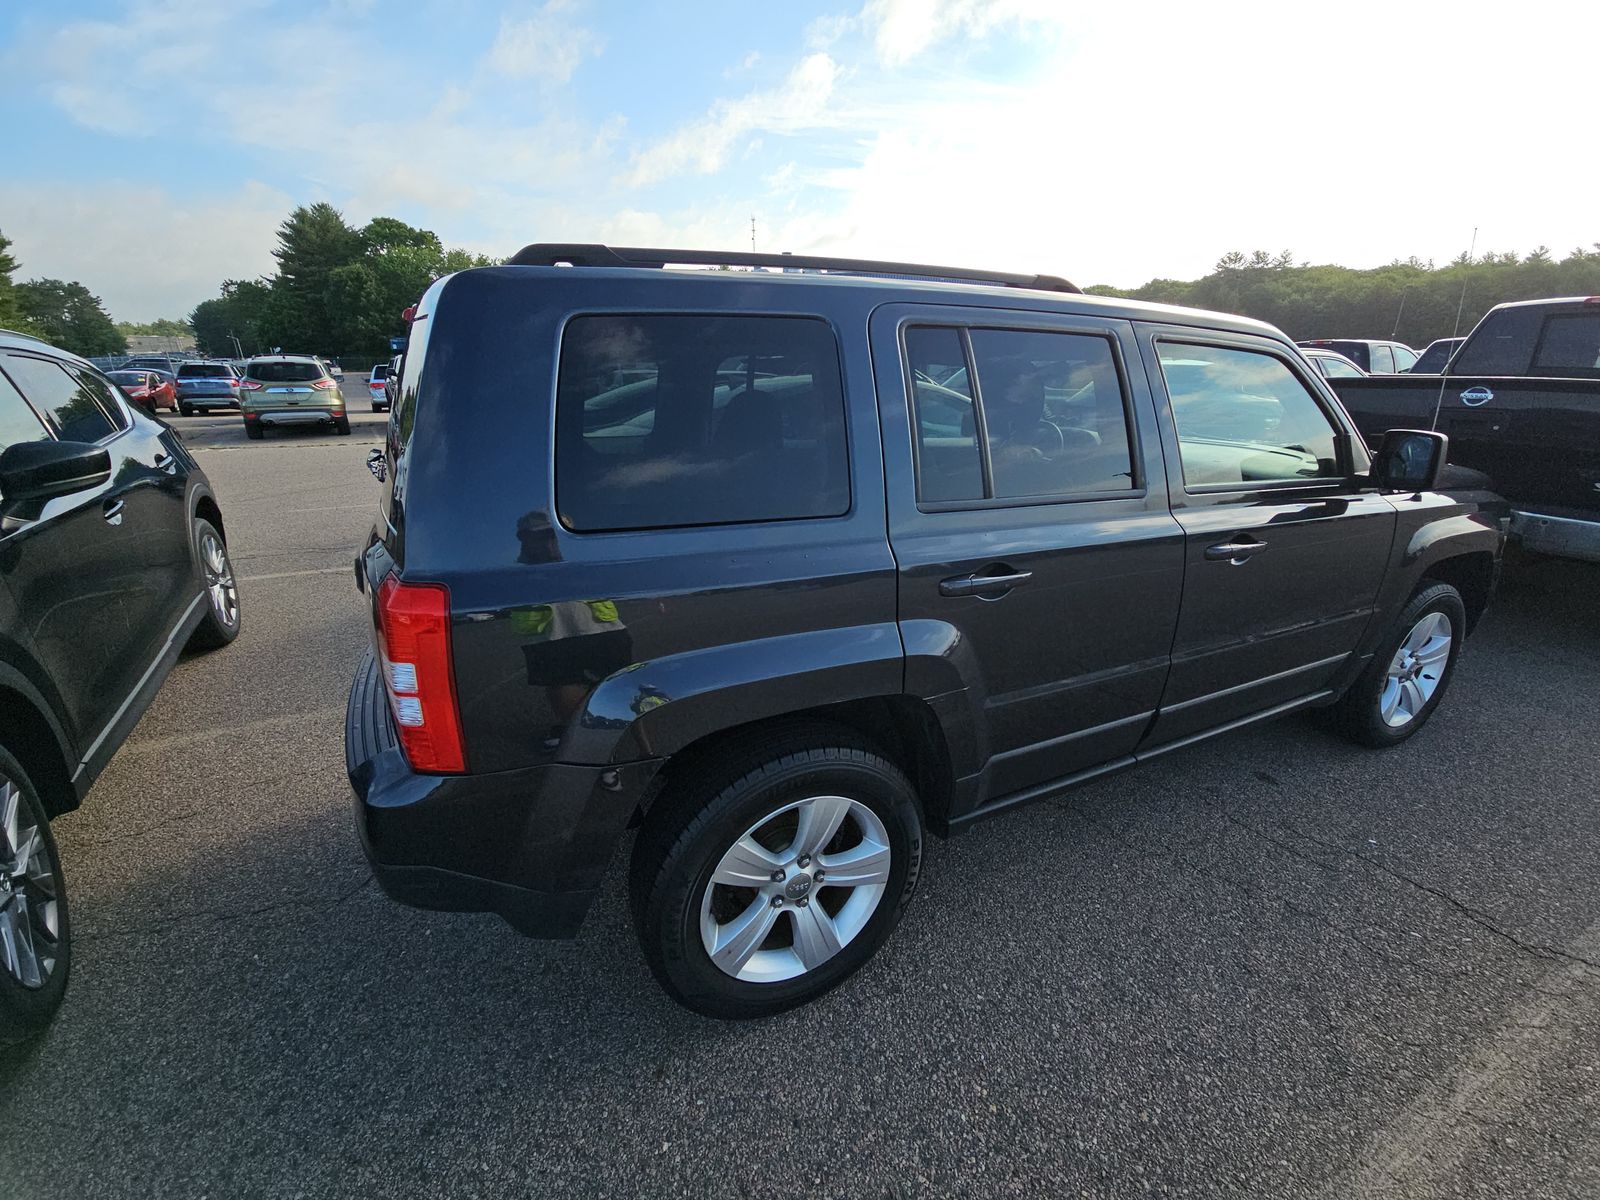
{"x": 1520, "y": 402}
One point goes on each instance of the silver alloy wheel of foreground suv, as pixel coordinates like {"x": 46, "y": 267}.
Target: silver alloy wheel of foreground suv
{"x": 771, "y": 914}
{"x": 30, "y": 916}
{"x": 220, "y": 585}
{"x": 1416, "y": 670}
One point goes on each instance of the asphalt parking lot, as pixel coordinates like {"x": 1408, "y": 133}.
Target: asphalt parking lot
{"x": 1274, "y": 965}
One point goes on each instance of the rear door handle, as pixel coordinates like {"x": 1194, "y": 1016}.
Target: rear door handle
{"x": 165, "y": 462}
{"x": 1234, "y": 552}
{"x": 983, "y": 585}
{"x": 113, "y": 513}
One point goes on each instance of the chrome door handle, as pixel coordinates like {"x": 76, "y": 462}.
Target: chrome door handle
{"x": 165, "y": 462}
{"x": 113, "y": 513}
{"x": 1234, "y": 552}
{"x": 983, "y": 585}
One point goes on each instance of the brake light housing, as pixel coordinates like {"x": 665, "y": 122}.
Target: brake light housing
{"x": 323, "y": 384}
{"x": 250, "y": 385}
{"x": 419, "y": 675}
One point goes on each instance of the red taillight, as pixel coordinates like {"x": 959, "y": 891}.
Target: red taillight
{"x": 323, "y": 384}
{"x": 250, "y": 385}
{"x": 414, "y": 655}
{"x": 375, "y": 384}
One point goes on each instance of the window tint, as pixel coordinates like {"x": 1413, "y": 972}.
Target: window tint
{"x": 1434, "y": 358}
{"x": 1404, "y": 359}
{"x": 666, "y": 420}
{"x": 18, "y": 423}
{"x": 1569, "y": 345}
{"x": 949, "y": 466}
{"x": 284, "y": 372}
{"x": 204, "y": 371}
{"x": 1053, "y": 413}
{"x": 1244, "y": 417}
{"x": 74, "y": 402}
{"x": 1382, "y": 360}
{"x": 381, "y": 371}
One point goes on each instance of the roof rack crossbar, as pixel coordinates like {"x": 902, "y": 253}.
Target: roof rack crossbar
{"x": 579, "y": 254}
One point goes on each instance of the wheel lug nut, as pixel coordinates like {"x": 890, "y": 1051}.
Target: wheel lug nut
{"x": 818, "y": 876}
{"x": 805, "y": 860}
{"x": 777, "y": 902}
{"x": 777, "y": 877}
{"x": 803, "y": 901}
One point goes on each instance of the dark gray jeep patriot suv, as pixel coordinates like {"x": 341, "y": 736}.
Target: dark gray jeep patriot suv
{"x": 786, "y": 567}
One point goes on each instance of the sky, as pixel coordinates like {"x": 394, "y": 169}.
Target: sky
{"x": 152, "y": 147}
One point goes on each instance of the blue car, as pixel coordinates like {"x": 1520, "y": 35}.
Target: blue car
{"x": 203, "y": 386}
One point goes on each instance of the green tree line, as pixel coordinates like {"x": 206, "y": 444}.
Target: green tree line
{"x": 1413, "y": 301}
{"x": 338, "y": 290}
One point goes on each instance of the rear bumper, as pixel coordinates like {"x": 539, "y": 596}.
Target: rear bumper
{"x": 531, "y": 846}
{"x": 1564, "y": 537}
{"x": 294, "y": 416}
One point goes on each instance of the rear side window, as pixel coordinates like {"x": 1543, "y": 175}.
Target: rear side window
{"x": 1333, "y": 368}
{"x": 18, "y": 422}
{"x": 1244, "y": 417}
{"x": 1404, "y": 359}
{"x": 78, "y": 403}
{"x": 1049, "y": 418}
{"x": 1382, "y": 361}
{"x": 677, "y": 419}
{"x": 284, "y": 372}
{"x": 1569, "y": 345}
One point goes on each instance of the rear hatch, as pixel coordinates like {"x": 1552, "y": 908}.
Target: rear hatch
{"x": 206, "y": 379}
{"x": 288, "y": 385}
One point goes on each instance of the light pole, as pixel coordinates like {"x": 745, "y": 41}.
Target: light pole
{"x": 238, "y": 350}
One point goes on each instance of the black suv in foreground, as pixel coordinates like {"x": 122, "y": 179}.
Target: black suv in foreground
{"x": 785, "y": 568}
{"x": 112, "y": 560}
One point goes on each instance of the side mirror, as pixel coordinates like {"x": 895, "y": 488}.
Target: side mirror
{"x": 40, "y": 470}
{"x": 1409, "y": 460}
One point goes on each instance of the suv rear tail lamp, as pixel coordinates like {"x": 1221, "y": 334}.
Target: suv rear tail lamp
{"x": 414, "y": 655}
{"x": 250, "y": 385}
{"x": 323, "y": 384}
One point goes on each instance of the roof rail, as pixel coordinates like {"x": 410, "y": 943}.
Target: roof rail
{"x": 32, "y": 337}
{"x": 578, "y": 254}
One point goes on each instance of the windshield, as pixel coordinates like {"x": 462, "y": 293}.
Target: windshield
{"x": 285, "y": 372}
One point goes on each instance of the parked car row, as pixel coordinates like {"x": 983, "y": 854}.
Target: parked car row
{"x": 789, "y": 570}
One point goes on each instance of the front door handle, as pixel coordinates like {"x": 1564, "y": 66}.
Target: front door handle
{"x": 983, "y": 585}
{"x": 113, "y": 512}
{"x": 1234, "y": 552}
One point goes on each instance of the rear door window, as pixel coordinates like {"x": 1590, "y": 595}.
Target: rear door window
{"x": 681, "y": 419}
{"x": 1382, "y": 361}
{"x": 79, "y": 404}
{"x": 1244, "y": 417}
{"x": 1569, "y": 345}
{"x": 1404, "y": 359}
{"x": 1050, "y": 418}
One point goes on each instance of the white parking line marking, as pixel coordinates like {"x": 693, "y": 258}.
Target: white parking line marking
{"x": 296, "y": 574}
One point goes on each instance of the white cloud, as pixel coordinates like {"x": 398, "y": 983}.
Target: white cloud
{"x": 702, "y": 146}
{"x": 903, "y": 29}
{"x": 144, "y": 251}
{"x": 548, "y": 45}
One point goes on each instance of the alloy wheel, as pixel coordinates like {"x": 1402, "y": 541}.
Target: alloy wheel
{"x": 30, "y": 911}
{"x": 1416, "y": 670}
{"x": 795, "y": 889}
{"x": 218, "y": 570}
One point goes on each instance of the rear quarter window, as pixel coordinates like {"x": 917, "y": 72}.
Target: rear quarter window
{"x": 667, "y": 420}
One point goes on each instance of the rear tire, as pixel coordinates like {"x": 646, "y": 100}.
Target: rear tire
{"x": 342, "y": 425}
{"x": 186, "y": 410}
{"x": 220, "y": 625}
{"x": 33, "y": 904}
{"x": 1407, "y": 677}
{"x": 254, "y": 432}
{"x": 781, "y": 941}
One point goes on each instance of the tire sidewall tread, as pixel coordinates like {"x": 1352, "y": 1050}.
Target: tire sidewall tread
{"x": 1358, "y": 713}
{"x": 26, "y": 1011}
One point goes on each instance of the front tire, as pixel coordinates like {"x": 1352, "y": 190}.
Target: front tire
{"x": 1407, "y": 678}
{"x": 773, "y": 871}
{"x": 35, "y": 932}
{"x": 221, "y": 622}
